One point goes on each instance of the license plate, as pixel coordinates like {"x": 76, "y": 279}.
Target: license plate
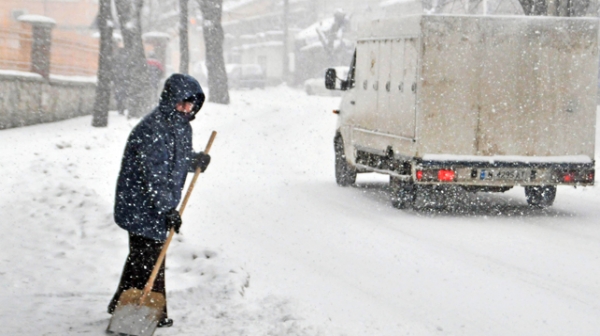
{"x": 504, "y": 174}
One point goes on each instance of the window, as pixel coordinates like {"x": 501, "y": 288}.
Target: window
{"x": 351, "y": 73}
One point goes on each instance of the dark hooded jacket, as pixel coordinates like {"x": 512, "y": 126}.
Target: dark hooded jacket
{"x": 158, "y": 155}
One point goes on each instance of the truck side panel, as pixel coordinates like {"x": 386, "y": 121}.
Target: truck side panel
{"x": 397, "y": 94}
{"x": 508, "y": 86}
{"x": 386, "y": 94}
{"x": 367, "y": 73}
{"x": 384, "y": 108}
{"x": 408, "y": 109}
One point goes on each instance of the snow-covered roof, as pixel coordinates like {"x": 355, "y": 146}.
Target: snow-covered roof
{"x": 116, "y": 35}
{"x": 394, "y": 2}
{"x": 37, "y": 19}
{"x": 233, "y": 5}
{"x": 74, "y": 79}
{"x": 260, "y": 45}
{"x": 310, "y": 34}
{"x": 58, "y": 78}
{"x": 21, "y": 74}
{"x": 156, "y": 35}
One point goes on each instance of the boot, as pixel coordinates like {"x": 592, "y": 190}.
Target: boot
{"x": 165, "y": 323}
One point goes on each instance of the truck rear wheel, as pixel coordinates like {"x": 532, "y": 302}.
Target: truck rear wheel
{"x": 404, "y": 193}
{"x": 540, "y": 196}
{"x": 345, "y": 174}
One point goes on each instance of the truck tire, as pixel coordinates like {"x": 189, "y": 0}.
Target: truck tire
{"x": 345, "y": 174}
{"x": 404, "y": 193}
{"x": 540, "y": 196}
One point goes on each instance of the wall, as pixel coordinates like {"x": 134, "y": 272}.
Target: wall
{"x": 74, "y": 49}
{"x": 69, "y": 14}
{"x": 27, "y": 98}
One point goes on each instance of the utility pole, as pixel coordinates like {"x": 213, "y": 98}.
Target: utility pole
{"x": 286, "y": 61}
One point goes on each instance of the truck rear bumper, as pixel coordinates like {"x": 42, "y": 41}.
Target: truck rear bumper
{"x": 503, "y": 173}
{"x": 481, "y": 171}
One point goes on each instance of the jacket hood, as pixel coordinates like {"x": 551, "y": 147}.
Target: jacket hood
{"x": 180, "y": 87}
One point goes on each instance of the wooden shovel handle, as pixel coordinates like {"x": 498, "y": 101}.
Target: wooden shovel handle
{"x": 163, "y": 252}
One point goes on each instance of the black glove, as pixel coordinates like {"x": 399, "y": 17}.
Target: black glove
{"x": 173, "y": 220}
{"x": 201, "y": 161}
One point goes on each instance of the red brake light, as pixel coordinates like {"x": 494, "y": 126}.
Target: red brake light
{"x": 419, "y": 175}
{"x": 445, "y": 175}
{"x": 568, "y": 177}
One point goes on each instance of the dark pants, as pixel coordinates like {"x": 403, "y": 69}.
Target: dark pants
{"x": 143, "y": 253}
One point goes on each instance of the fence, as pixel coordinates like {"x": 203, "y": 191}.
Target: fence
{"x": 71, "y": 53}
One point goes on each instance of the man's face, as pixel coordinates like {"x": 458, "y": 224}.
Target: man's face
{"x": 184, "y": 107}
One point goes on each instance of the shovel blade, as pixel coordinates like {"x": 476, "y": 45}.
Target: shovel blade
{"x": 132, "y": 319}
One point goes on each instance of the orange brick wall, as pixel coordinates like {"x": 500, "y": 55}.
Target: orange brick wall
{"x": 15, "y": 46}
{"x": 74, "y": 51}
{"x": 72, "y": 14}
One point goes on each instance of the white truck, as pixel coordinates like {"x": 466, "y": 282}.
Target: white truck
{"x": 485, "y": 103}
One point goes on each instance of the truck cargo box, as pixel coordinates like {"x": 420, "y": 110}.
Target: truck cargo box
{"x": 471, "y": 92}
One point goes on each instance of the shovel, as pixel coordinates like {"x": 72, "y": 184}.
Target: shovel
{"x": 138, "y": 312}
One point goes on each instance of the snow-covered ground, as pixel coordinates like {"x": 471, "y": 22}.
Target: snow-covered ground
{"x": 271, "y": 246}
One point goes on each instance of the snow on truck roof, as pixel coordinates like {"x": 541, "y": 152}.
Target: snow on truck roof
{"x": 411, "y": 24}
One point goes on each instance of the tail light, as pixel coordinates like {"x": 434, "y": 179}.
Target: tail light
{"x": 446, "y": 175}
{"x": 436, "y": 175}
{"x": 568, "y": 177}
{"x": 576, "y": 176}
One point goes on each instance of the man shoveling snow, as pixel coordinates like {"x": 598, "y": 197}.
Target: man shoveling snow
{"x": 158, "y": 155}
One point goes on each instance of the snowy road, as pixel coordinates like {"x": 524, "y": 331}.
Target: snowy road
{"x": 311, "y": 258}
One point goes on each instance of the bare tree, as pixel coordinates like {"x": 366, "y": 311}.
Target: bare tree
{"x": 534, "y": 7}
{"x": 140, "y": 91}
{"x": 578, "y": 7}
{"x": 555, "y": 7}
{"x": 102, "y": 100}
{"x": 213, "y": 40}
{"x": 158, "y": 15}
{"x": 184, "y": 48}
